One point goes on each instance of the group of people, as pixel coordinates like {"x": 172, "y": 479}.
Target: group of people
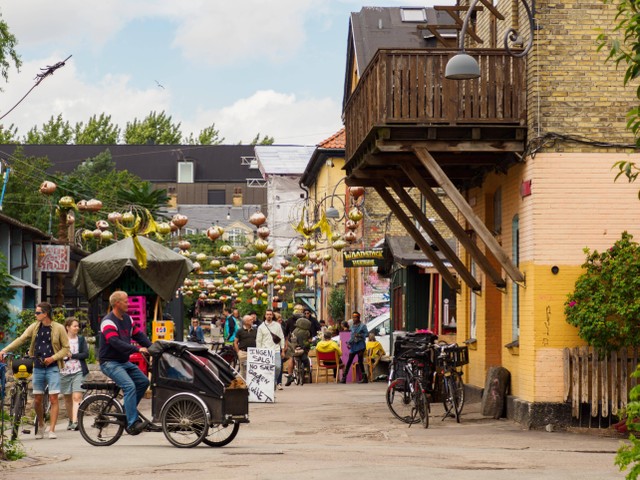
{"x": 60, "y": 355}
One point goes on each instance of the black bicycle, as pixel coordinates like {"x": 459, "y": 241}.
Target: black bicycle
{"x": 406, "y": 394}
{"x": 447, "y": 379}
{"x": 22, "y": 368}
{"x": 301, "y": 367}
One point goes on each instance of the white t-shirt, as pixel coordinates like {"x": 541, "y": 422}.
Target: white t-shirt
{"x": 72, "y": 366}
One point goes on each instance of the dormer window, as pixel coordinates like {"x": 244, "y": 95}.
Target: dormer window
{"x": 413, "y": 14}
{"x": 186, "y": 172}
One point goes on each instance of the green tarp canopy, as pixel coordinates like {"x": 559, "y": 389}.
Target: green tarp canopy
{"x": 164, "y": 274}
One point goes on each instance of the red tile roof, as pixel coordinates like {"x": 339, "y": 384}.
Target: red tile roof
{"x": 337, "y": 140}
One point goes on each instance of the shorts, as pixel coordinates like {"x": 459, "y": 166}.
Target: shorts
{"x": 46, "y": 376}
{"x": 71, "y": 383}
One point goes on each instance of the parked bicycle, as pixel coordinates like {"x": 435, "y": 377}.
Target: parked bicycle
{"x": 407, "y": 392}
{"x": 432, "y": 370}
{"x": 22, "y": 368}
{"x": 301, "y": 367}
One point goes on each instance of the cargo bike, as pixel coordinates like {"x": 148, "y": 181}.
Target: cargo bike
{"x": 196, "y": 397}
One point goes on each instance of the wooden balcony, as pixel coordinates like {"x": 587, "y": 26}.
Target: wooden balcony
{"x": 403, "y": 101}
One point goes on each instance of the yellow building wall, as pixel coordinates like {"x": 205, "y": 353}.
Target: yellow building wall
{"x": 574, "y": 204}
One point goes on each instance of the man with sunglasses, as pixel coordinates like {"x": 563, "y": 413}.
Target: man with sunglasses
{"x": 49, "y": 345}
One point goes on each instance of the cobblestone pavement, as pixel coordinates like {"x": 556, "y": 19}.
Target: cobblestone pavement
{"x": 332, "y": 432}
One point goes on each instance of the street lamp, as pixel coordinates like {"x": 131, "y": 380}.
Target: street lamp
{"x": 464, "y": 67}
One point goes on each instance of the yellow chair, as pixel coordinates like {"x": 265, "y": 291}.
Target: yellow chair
{"x": 328, "y": 361}
{"x": 370, "y": 361}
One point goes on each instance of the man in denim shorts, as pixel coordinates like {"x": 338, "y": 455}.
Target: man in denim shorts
{"x": 49, "y": 345}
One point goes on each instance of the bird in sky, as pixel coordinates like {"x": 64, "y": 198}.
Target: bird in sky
{"x": 159, "y": 84}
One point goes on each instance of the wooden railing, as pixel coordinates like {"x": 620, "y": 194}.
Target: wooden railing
{"x": 408, "y": 87}
{"x": 601, "y": 383}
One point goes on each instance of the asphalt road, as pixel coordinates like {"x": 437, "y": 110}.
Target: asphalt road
{"x": 332, "y": 432}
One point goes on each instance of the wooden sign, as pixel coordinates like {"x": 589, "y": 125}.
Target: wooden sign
{"x": 261, "y": 372}
{"x": 372, "y": 257}
{"x": 53, "y": 258}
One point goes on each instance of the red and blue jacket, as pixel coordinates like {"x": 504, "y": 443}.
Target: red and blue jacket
{"x": 116, "y": 336}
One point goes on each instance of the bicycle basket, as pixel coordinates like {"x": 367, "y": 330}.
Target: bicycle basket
{"x": 22, "y": 367}
{"x": 461, "y": 356}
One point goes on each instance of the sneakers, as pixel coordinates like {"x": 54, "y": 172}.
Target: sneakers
{"x": 40, "y": 433}
{"x": 52, "y": 435}
{"x": 138, "y": 426}
{"x": 73, "y": 426}
{"x": 280, "y": 386}
{"x": 70, "y": 425}
{"x": 289, "y": 381}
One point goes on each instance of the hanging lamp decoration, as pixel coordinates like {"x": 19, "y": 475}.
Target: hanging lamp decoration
{"x": 47, "y": 187}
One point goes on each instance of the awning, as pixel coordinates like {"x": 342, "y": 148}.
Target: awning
{"x": 19, "y": 283}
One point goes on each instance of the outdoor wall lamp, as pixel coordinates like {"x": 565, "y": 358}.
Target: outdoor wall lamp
{"x": 463, "y": 66}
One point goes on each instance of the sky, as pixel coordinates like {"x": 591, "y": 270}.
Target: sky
{"x": 272, "y": 67}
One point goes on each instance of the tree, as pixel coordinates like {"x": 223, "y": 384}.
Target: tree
{"x": 207, "y": 136}
{"x": 337, "y": 305}
{"x": 144, "y": 195}
{"x": 266, "y": 140}
{"x": 54, "y": 132}
{"x": 156, "y": 128}
{"x": 98, "y": 131}
{"x": 8, "y": 53}
{"x": 605, "y": 303}
{"x": 8, "y": 135}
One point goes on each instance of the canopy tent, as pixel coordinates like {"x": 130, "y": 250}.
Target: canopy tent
{"x": 164, "y": 273}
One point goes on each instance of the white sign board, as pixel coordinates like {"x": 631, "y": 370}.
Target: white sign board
{"x": 261, "y": 372}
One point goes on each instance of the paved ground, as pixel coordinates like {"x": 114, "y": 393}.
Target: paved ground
{"x": 337, "y": 432}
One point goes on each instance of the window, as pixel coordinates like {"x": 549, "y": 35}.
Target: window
{"x": 174, "y": 368}
{"x": 185, "y": 172}
{"x": 515, "y": 293}
{"x": 413, "y": 14}
{"x": 497, "y": 212}
{"x": 236, "y": 237}
{"x": 473, "y": 302}
{"x": 216, "y": 197}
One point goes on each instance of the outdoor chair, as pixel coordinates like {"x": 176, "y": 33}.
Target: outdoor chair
{"x": 328, "y": 361}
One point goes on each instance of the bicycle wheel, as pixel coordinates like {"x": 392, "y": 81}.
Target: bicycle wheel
{"x": 458, "y": 391}
{"x": 299, "y": 367}
{"x": 96, "y": 421}
{"x": 18, "y": 403}
{"x": 184, "y": 421}
{"x": 220, "y": 435}
{"x": 450, "y": 399}
{"x": 399, "y": 401}
{"x": 420, "y": 404}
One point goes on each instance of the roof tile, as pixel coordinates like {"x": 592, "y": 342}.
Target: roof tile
{"x": 337, "y": 140}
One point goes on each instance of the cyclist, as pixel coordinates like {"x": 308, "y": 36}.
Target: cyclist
{"x": 49, "y": 345}
{"x": 300, "y": 338}
{"x": 116, "y": 331}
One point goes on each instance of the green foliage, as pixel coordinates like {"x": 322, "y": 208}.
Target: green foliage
{"x": 630, "y": 454}
{"x": 8, "y": 54}
{"x": 22, "y": 199}
{"x": 605, "y": 303}
{"x": 336, "y": 304}
{"x": 8, "y": 134}
{"x": 156, "y": 128}
{"x": 98, "y": 131}
{"x": 143, "y": 194}
{"x": 11, "y": 450}
{"x": 55, "y": 132}
{"x": 207, "y": 136}
{"x": 266, "y": 140}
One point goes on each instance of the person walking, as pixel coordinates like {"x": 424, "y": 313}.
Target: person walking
{"x": 49, "y": 345}
{"x": 245, "y": 338}
{"x": 116, "y": 331}
{"x": 357, "y": 347}
{"x": 74, "y": 371}
{"x": 270, "y": 336}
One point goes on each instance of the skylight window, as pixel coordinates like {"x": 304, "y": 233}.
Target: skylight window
{"x": 413, "y": 14}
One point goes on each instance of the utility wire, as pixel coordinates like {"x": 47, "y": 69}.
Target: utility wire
{"x": 45, "y": 72}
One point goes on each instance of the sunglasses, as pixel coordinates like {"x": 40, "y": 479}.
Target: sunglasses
{"x": 39, "y": 312}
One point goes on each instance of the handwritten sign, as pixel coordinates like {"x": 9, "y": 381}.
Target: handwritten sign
{"x": 261, "y": 372}
{"x": 53, "y": 258}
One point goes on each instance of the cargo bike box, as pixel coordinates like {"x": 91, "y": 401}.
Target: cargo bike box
{"x": 188, "y": 367}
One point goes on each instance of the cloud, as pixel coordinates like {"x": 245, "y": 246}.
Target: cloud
{"x": 65, "y": 93}
{"x": 290, "y": 120}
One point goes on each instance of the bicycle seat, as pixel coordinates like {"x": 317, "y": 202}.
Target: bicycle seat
{"x": 106, "y": 386}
